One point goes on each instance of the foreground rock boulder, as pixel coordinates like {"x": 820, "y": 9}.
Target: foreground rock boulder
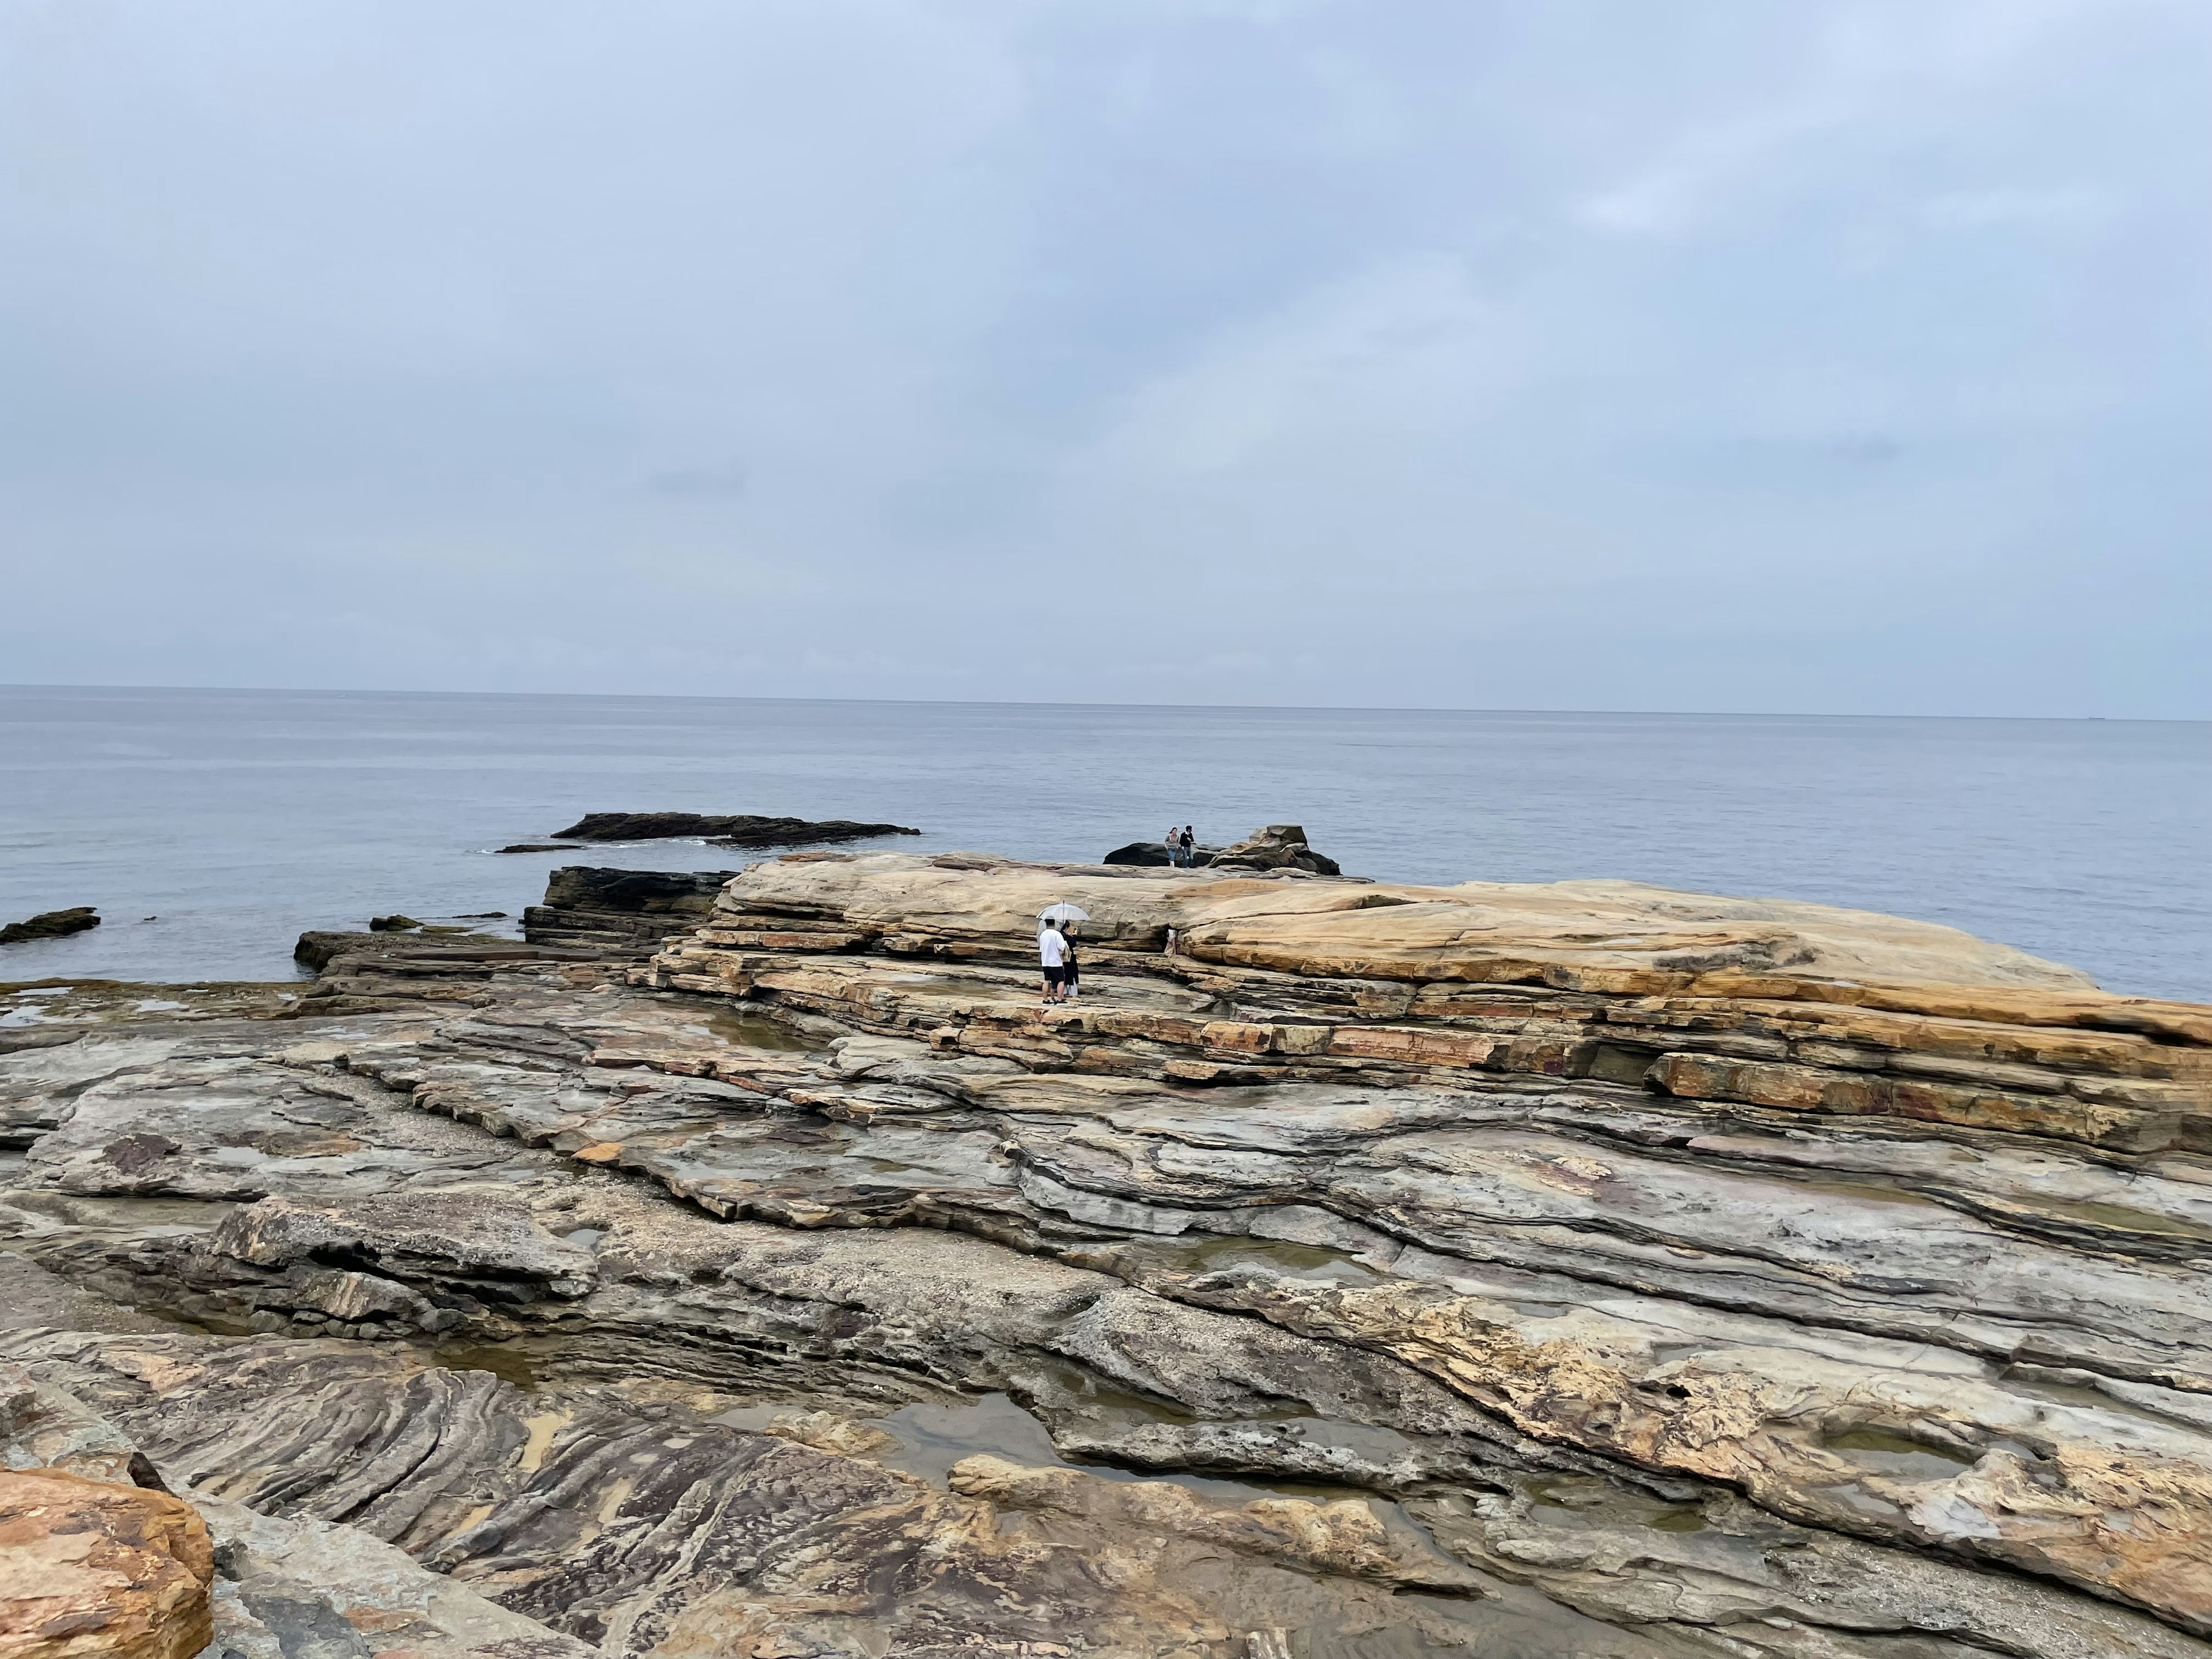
{"x": 728, "y": 829}
{"x": 1604, "y": 1271}
{"x": 52, "y": 924}
{"x": 89, "y": 1567}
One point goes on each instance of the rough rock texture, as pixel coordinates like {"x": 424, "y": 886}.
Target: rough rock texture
{"x": 118, "y": 1564}
{"x": 626, "y": 912}
{"x": 89, "y": 1567}
{"x": 1276, "y": 846}
{"x": 51, "y": 924}
{"x": 726, "y": 829}
{"x": 1607, "y": 1271}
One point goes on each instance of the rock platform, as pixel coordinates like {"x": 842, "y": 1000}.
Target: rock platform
{"x": 1578, "y": 1269}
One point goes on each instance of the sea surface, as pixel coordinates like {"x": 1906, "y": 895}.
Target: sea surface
{"x": 210, "y": 828}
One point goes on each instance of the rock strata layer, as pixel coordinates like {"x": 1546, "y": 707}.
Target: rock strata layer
{"x": 621, "y": 911}
{"x": 1584, "y": 1269}
{"x": 728, "y": 829}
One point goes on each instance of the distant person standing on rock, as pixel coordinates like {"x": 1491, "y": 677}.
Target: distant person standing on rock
{"x": 1185, "y": 842}
{"x": 1172, "y": 840}
{"x": 1071, "y": 970}
{"x": 1052, "y": 950}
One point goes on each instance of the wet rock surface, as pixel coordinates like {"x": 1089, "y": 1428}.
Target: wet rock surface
{"x": 1553, "y": 1271}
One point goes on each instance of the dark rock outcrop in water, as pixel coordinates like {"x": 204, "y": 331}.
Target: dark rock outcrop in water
{"x": 623, "y": 911}
{"x": 1153, "y": 855}
{"x": 1610, "y": 1272}
{"x": 1277, "y": 847}
{"x": 51, "y": 924}
{"x": 735, "y": 829}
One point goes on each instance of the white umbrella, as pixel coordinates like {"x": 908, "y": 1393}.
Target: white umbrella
{"x": 1062, "y": 912}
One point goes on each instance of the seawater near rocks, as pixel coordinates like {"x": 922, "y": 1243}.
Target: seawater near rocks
{"x": 1389, "y": 1191}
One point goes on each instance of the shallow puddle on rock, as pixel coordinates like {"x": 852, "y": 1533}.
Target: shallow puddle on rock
{"x": 932, "y": 1438}
{"x": 1210, "y": 1253}
{"x": 507, "y": 1363}
{"x": 1895, "y": 1455}
{"x": 1869, "y": 1192}
{"x": 2087, "y": 1397}
{"x": 2104, "y": 1218}
{"x": 752, "y": 1030}
{"x": 1512, "y": 1622}
{"x": 1597, "y": 1503}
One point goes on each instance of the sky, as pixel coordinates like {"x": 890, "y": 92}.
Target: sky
{"x": 1721, "y": 354}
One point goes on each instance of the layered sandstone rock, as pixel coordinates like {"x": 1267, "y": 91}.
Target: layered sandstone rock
{"x": 623, "y": 912}
{"x": 1613, "y": 1271}
{"x": 90, "y": 1567}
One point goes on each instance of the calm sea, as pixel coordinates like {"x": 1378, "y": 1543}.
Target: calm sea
{"x": 231, "y": 820}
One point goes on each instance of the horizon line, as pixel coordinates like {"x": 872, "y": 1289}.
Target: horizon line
{"x": 1016, "y": 702}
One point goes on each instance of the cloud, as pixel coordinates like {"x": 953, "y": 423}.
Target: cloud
{"x": 1293, "y": 351}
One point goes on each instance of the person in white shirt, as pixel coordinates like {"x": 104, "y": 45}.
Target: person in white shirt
{"x": 1052, "y": 950}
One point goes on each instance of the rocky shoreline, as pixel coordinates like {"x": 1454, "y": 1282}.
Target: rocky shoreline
{"x": 754, "y": 1266}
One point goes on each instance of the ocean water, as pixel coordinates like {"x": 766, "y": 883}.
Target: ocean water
{"x": 230, "y": 821}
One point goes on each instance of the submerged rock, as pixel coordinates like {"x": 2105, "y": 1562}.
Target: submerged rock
{"x": 51, "y": 924}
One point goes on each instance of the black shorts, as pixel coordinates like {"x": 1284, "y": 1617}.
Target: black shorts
{"x": 1055, "y": 975}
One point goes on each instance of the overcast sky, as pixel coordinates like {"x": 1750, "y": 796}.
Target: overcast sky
{"x": 1804, "y": 356}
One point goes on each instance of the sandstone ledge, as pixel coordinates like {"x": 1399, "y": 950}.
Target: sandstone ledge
{"x": 1845, "y": 1297}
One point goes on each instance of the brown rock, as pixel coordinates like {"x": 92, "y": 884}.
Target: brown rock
{"x": 95, "y": 1569}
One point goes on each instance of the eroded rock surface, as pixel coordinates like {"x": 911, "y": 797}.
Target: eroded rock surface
{"x": 621, "y": 911}
{"x": 90, "y": 1567}
{"x": 1601, "y": 1270}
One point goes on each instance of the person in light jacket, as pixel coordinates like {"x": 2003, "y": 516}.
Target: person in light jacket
{"x": 1052, "y": 952}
